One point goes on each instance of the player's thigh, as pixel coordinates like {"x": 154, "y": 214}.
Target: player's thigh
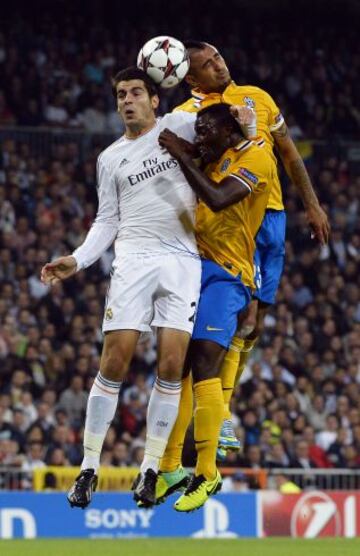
{"x": 172, "y": 346}
{"x": 178, "y": 293}
{"x": 118, "y": 350}
{"x": 248, "y": 319}
{"x": 129, "y": 303}
{"x": 206, "y": 358}
{"x": 223, "y": 297}
{"x": 270, "y": 256}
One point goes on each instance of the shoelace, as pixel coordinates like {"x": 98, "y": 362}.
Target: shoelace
{"x": 194, "y": 484}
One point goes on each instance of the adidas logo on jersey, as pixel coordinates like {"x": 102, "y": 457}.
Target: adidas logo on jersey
{"x": 124, "y": 162}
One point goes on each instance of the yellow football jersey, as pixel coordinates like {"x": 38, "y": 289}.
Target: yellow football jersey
{"x": 269, "y": 119}
{"x": 228, "y": 236}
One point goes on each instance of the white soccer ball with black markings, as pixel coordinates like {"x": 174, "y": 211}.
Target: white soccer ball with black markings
{"x": 165, "y": 60}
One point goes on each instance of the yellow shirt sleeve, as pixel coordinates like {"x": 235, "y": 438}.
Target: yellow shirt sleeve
{"x": 246, "y": 177}
{"x": 276, "y": 119}
{"x": 251, "y": 170}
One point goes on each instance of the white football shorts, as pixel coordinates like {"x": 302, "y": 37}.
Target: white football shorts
{"x": 153, "y": 290}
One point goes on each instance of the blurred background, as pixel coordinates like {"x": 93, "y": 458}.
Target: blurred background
{"x": 298, "y": 405}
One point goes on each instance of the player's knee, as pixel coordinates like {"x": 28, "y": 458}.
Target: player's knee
{"x": 246, "y": 328}
{"x": 247, "y": 320}
{"x": 114, "y": 366}
{"x": 170, "y": 367}
{"x": 255, "y": 333}
{"x": 257, "y": 329}
{"x": 203, "y": 368}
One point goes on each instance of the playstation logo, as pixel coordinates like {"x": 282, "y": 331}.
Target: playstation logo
{"x": 216, "y": 522}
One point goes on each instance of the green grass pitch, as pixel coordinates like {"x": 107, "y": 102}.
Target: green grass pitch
{"x": 181, "y": 547}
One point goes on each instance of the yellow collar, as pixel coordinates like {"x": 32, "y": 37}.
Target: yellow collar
{"x": 243, "y": 145}
{"x": 199, "y": 95}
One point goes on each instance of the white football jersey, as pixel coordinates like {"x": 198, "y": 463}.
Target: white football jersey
{"x": 143, "y": 187}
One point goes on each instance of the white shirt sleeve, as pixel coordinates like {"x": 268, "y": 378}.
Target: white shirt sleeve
{"x": 105, "y": 226}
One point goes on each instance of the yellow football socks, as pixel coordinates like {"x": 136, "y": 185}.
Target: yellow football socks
{"x": 208, "y": 417}
{"x": 172, "y": 457}
{"x": 228, "y": 372}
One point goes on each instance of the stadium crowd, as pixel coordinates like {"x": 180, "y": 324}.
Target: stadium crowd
{"x": 298, "y": 404}
{"x": 56, "y": 72}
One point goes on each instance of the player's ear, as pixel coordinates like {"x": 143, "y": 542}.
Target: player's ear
{"x": 191, "y": 81}
{"x": 155, "y": 101}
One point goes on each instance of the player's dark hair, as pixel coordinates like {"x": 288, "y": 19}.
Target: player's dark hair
{"x": 195, "y": 45}
{"x": 221, "y": 113}
{"x": 133, "y": 72}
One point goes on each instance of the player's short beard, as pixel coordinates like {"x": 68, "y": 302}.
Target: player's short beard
{"x": 135, "y": 127}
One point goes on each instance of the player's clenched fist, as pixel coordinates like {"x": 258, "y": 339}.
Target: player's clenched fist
{"x": 59, "y": 269}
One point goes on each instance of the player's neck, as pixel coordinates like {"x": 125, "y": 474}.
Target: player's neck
{"x": 221, "y": 89}
{"x": 218, "y": 91}
{"x": 136, "y": 131}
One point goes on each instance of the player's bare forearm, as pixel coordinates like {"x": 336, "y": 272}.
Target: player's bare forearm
{"x": 215, "y": 197}
{"x": 299, "y": 176}
{"x": 204, "y": 188}
{"x": 295, "y": 166}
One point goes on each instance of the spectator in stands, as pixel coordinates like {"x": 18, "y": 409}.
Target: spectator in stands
{"x": 317, "y": 414}
{"x": 277, "y": 456}
{"x": 237, "y": 482}
{"x": 120, "y": 455}
{"x": 34, "y": 457}
{"x": 301, "y": 457}
{"x": 73, "y": 400}
{"x": 326, "y": 437}
{"x": 253, "y": 457}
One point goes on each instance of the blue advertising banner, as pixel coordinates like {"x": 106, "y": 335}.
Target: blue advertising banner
{"x": 112, "y": 515}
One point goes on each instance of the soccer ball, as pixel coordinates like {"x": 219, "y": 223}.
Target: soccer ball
{"x": 165, "y": 60}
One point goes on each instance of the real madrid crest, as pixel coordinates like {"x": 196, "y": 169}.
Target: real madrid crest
{"x": 108, "y": 314}
{"x": 249, "y": 102}
{"x": 225, "y": 165}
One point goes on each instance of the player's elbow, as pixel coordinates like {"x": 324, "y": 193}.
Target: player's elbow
{"x": 216, "y": 205}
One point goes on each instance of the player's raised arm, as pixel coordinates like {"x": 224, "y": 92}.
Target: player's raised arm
{"x": 100, "y": 236}
{"x": 299, "y": 176}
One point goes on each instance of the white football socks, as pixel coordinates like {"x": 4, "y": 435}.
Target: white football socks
{"x": 100, "y": 411}
{"x": 161, "y": 416}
